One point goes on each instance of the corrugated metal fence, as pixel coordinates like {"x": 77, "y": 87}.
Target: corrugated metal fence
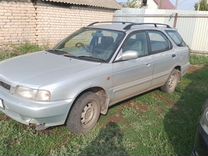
{"x": 192, "y": 25}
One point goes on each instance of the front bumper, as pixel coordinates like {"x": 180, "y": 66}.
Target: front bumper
{"x": 36, "y": 113}
{"x": 201, "y": 143}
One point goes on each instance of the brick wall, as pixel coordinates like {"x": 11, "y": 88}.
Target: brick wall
{"x": 17, "y": 22}
{"x": 44, "y": 23}
{"x": 56, "y": 22}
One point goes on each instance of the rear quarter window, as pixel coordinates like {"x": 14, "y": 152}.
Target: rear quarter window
{"x": 176, "y": 37}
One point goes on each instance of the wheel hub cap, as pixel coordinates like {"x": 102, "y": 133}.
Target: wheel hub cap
{"x": 172, "y": 82}
{"x": 87, "y": 114}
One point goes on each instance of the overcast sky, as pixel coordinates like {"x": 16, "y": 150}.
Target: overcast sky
{"x": 183, "y": 4}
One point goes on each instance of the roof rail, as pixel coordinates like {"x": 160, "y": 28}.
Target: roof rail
{"x": 155, "y": 24}
{"x": 122, "y": 22}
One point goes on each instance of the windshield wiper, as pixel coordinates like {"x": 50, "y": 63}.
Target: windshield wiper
{"x": 61, "y": 52}
{"x": 56, "y": 51}
{"x": 69, "y": 55}
{"x": 90, "y": 58}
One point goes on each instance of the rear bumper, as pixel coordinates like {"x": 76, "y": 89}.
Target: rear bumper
{"x": 185, "y": 68}
{"x": 201, "y": 143}
{"x": 32, "y": 112}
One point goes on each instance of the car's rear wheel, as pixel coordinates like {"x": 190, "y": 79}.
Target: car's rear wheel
{"x": 84, "y": 114}
{"x": 172, "y": 82}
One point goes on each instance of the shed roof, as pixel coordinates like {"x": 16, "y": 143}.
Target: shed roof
{"x": 109, "y": 4}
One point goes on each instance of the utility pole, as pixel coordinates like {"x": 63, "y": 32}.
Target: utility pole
{"x": 176, "y": 4}
{"x": 160, "y": 4}
{"x": 198, "y": 7}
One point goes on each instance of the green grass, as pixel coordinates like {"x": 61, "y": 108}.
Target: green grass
{"x": 199, "y": 59}
{"x": 154, "y": 123}
{"x": 19, "y": 50}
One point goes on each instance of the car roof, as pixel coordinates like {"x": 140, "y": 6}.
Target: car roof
{"x": 136, "y": 26}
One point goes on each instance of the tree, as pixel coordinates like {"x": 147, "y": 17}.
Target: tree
{"x": 202, "y": 5}
{"x": 134, "y": 3}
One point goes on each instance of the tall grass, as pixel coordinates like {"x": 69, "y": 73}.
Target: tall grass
{"x": 19, "y": 50}
{"x": 199, "y": 59}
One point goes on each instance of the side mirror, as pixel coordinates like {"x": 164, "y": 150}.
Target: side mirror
{"x": 127, "y": 55}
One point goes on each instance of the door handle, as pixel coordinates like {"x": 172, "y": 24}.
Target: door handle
{"x": 173, "y": 55}
{"x": 148, "y": 64}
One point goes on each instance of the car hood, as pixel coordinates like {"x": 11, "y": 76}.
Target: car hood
{"x": 42, "y": 68}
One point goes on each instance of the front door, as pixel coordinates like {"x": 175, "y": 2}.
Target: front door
{"x": 130, "y": 77}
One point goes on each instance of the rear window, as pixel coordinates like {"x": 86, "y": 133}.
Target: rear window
{"x": 158, "y": 42}
{"x": 176, "y": 37}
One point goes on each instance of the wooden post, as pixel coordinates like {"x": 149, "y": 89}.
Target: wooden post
{"x": 175, "y": 20}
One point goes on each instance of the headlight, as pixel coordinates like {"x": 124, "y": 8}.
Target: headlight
{"x": 43, "y": 95}
{"x": 204, "y": 121}
{"x": 34, "y": 94}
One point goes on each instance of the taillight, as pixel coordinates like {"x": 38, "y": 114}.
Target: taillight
{"x": 189, "y": 52}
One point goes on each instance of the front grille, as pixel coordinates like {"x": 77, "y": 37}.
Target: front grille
{"x": 5, "y": 85}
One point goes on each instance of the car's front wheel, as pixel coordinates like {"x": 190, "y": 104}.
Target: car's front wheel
{"x": 171, "y": 84}
{"x": 84, "y": 114}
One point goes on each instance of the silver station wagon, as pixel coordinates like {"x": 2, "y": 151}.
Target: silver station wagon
{"x": 89, "y": 71}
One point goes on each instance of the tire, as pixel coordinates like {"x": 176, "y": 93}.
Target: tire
{"x": 171, "y": 84}
{"x": 84, "y": 114}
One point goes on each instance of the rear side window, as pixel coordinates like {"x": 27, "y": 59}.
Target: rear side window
{"x": 176, "y": 37}
{"x": 158, "y": 42}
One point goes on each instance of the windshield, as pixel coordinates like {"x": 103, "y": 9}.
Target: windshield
{"x": 90, "y": 44}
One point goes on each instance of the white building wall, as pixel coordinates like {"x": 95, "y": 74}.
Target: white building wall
{"x": 192, "y": 25}
{"x": 151, "y": 4}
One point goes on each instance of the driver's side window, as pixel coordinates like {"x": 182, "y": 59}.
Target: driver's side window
{"x": 136, "y": 42}
{"x": 79, "y": 41}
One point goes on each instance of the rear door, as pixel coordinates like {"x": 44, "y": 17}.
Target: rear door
{"x": 163, "y": 56}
